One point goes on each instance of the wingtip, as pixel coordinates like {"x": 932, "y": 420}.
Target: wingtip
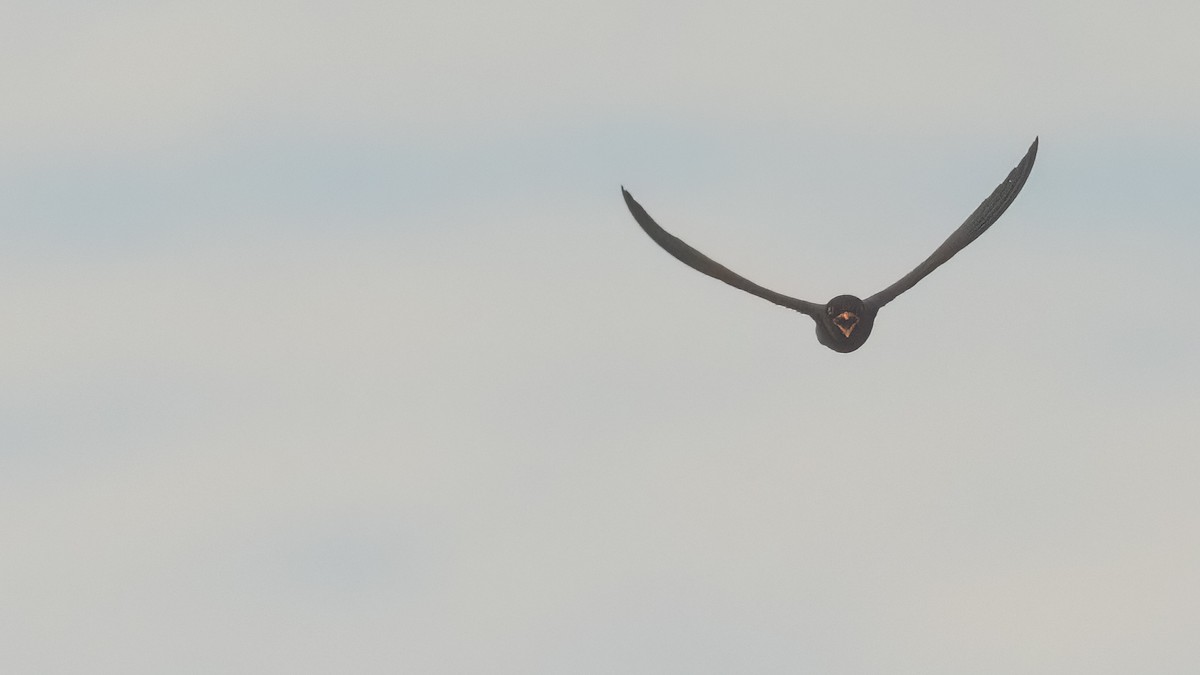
{"x": 1031, "y": 153}
{"x": 629, "y": 200}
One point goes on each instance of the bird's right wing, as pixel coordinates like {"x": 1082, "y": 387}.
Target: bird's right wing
{"x": 702, "y": 263}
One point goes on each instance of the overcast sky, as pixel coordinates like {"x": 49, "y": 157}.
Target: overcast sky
{"x": 329, "y": 345}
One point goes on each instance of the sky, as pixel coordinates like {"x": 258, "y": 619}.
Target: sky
{"x": 329, "y": 344}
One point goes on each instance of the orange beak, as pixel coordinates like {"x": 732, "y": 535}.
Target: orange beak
{"x": 845, "y": 322}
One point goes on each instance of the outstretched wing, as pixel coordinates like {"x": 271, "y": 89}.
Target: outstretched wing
{"x": 976, "y": 224}
{"x": 702, "y": 263}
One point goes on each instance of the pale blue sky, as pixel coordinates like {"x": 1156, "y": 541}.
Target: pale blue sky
{"x": 330, "y": 345}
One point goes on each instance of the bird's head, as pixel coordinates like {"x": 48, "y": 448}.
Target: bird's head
{"x": 845, "y": 324}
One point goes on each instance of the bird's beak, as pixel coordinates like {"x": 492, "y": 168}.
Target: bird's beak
{"x": 845, "y": 322}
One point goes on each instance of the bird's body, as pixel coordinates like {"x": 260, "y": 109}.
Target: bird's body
{"x": 845, "y": 322}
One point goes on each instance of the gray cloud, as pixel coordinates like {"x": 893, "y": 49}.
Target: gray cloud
{"x": 331, "y": 346}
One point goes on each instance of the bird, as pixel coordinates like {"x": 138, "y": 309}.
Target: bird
{"x": 845, "y": 322}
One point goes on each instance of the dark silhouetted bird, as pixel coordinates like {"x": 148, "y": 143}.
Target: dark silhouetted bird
{"x": 845, "y": 322}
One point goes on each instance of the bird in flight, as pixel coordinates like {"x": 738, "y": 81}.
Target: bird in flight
{"x": 844, "y": 323}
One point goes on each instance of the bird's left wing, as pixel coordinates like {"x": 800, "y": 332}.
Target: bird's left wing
{"x": 976, "y": 224}
{"x": 702, "y": 263}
